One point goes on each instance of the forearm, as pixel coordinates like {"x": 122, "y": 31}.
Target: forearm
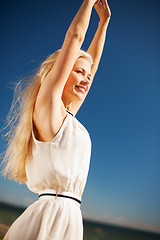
{"x": 80, "y": 22}
{"x": 96, "y": 47}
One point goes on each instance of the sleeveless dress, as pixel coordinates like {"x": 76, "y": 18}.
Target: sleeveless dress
{"x": 57, "y": 167}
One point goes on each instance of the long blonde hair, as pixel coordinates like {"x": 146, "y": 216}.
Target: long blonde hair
{"x": 20, "y": 121}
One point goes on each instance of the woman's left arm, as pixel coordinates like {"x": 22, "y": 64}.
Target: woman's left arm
{"x": 96, "y": 47}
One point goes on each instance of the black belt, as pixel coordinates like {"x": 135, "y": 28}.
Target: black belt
{"x": 59, "y": 195}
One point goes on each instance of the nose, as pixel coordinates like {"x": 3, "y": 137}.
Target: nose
{"x": 85, "y": 81}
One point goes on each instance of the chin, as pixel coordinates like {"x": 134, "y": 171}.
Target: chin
{"x": 78, "y": 95}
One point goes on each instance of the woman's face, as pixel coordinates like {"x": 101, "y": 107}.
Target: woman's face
{"x": 78, "y": 83}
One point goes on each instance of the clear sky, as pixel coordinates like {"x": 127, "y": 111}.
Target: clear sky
{"x": 121, "y": 111}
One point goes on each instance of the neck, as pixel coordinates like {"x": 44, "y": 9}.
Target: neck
{"x": 67, "y": 105}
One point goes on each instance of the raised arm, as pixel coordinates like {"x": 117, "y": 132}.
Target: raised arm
{"x": 96, "y": 47}
{"x": 74, "y": 38}
{"x": 49, "y": 109}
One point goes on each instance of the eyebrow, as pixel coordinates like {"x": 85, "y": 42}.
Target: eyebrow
{"x": 85, "y": 71}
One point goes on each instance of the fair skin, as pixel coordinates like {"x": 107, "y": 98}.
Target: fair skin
{"x": 78, "y": 84}
{"x": 67, "y": 84}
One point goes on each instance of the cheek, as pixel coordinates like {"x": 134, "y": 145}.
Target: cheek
{"x": 69, "y": 84}
{"x": 74, "y": 79}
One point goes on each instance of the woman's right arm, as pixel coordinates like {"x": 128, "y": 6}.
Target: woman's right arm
{"x": 57, "y": 77}
{"x": 49, "y": 110}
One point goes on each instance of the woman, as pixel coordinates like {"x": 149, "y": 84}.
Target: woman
{"x": 49, "y": 149}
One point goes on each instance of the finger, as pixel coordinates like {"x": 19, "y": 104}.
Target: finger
{"x": 98, "y": 4}
{"x": 106, "y": 6}
{"x": 98, "y": 7}
{"x": 105, "y": 3}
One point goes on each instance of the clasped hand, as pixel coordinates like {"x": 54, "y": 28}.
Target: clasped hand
{"x": 102, "y": 10}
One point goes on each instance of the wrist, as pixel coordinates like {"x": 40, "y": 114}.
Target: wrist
{"x": 104, "y": 22}
{"x": 90, "y": 2}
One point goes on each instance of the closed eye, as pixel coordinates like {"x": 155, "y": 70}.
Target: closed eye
{"x": 83, "y": 72}
{"x": 79, "y": 71}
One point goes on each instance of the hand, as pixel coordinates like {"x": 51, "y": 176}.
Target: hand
{"x": 103, "y": 10}
{"x": 92, "y": 1}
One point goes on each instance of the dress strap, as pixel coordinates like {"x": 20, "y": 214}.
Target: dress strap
{"x": 70, "y": 112}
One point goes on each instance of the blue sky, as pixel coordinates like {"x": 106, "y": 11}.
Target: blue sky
{"x": 121, "y": 111}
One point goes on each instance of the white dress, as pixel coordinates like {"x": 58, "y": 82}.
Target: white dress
{"x": 61, "y": 167}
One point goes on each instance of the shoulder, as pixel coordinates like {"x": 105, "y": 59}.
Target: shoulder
{"x": 48, "y": 122}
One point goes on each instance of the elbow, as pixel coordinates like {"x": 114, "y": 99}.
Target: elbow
{"x": 75, "y": 34}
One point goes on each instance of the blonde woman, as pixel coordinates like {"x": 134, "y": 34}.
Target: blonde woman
{"x": 50, "y": 149}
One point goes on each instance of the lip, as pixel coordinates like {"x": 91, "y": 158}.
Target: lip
{"x": 81, "y": 88}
